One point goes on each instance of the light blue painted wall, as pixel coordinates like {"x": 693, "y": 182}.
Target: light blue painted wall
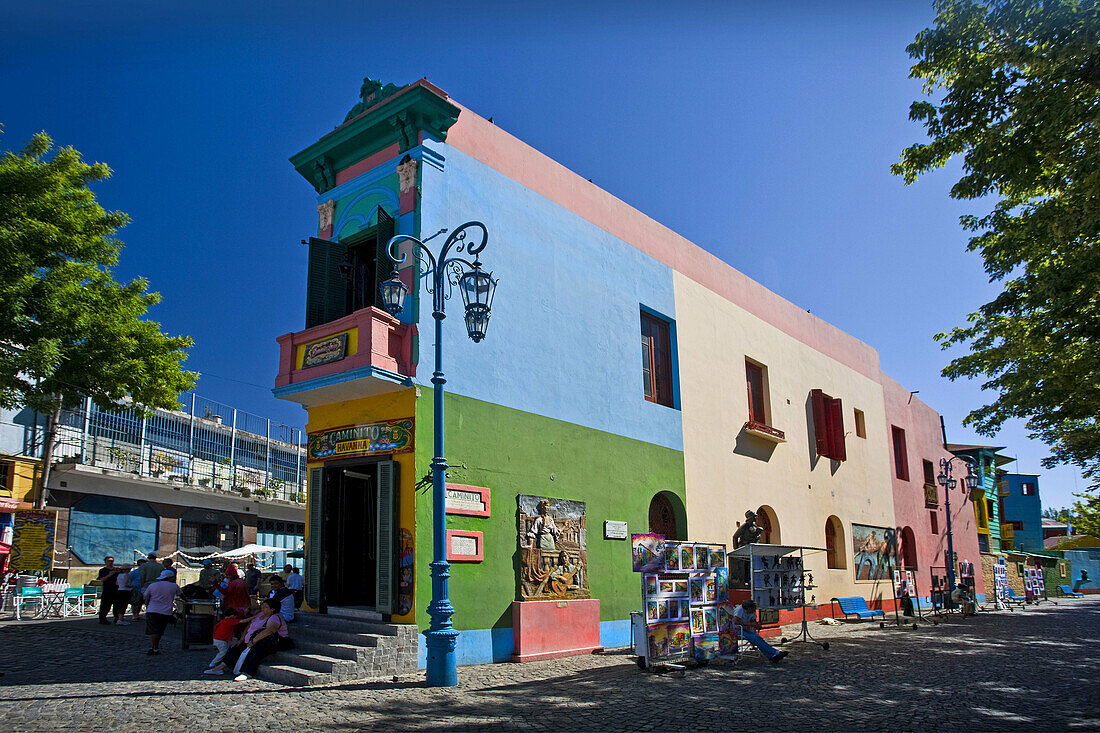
{"x": 17, "y": 432}
{"x": 106, "y": 525}
{"x": 487, "y": 646}
{"x": 1087, "y": 560}
{"x": 565, "y": 335}
{"x": 1026, "y": 509}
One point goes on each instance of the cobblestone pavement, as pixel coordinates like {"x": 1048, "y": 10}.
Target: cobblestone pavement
{"x": 1030, "y": 669}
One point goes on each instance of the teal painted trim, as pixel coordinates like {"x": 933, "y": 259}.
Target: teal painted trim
{"x": 381, "y": 171}
{"x": 398, "y": 120}
{"x": 675, "y": 352}
{"x": 348, "y": 376}
{"x": 364, "y": 223}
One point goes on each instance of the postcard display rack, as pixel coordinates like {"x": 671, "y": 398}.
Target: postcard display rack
{"x": 687, "y": 613}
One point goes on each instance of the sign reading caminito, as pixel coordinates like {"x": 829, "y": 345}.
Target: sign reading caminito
{"x": 372, "y": 439}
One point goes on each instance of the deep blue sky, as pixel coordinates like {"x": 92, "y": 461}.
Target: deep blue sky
{"x": 761, "y": 131}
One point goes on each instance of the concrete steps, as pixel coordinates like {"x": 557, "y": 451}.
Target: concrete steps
{"x": 343, "y": 646}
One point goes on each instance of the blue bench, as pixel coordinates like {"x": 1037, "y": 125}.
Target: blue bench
{"x": 856, "y": 606}
{"x": 1070, "y": 592}
{"x": 1011, "y": 597}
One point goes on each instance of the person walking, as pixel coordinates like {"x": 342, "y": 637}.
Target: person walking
{"x": 134, "y": 582}
{"x": 108, "y": 580}
{"x": 122, "y": 596}
{"x": 160, "y": 598}
{"x": 296, "y": 583}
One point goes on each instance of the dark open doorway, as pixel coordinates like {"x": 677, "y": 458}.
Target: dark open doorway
{"x": 351, "y": 540}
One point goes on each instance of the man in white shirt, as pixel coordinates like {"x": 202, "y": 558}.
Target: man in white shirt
{"x": 160, "y": 599}
{"x": 296, "y": 583}
{"x": 744, "y": 616}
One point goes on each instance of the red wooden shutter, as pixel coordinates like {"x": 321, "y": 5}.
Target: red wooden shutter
{"x": 836, "y": 430}
{"x": 821, "y": 429}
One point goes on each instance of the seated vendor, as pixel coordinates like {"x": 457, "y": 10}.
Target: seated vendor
{"x": 962, "y": 599}
{"x": 744, "y": 616}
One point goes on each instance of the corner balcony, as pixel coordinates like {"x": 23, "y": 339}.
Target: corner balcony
{"x": 365, "y": 353}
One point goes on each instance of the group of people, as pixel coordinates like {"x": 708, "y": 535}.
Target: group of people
{"x": 126, "y": 585}
{"x": 248, "y": 631}
{"x": 247, "y": 634}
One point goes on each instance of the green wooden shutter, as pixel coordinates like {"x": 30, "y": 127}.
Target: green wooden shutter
{"x": 383, "y": 265}
{"x": 326, "y": 288}
{"x": 387, "y": 516}
{"x": 315, "y": 542}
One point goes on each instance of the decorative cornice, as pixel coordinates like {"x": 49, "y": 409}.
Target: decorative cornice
{"x": 399, "y": 119}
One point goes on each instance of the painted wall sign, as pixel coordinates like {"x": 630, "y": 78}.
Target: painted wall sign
{"x": 32, "y": 540}
{"x": 472, "y": 501}
{"x": 463, "y": 546}
{"x": 614, "y": 530}
{"x": 372, "y": 439}
{"x": 325, "y": 351}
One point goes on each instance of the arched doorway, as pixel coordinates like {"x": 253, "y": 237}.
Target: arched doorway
{"x": 834, "y": 544}
{"x": 767, "y": 521}
{"x": 908, "y": 549}
{"x": 666, "y": 516}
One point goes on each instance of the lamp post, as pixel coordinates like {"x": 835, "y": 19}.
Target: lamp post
{"x": 446, "y": 271}
{"x": 947, "y": 482}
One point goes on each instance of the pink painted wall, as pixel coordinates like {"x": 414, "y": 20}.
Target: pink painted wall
{"x": 501, "y": 151}
{"x": 924, "y": 441}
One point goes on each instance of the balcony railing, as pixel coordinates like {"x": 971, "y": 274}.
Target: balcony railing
{"x": 366, "y": 338}
{"x": 209, "y": 446}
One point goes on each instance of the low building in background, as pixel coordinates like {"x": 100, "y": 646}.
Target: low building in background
{"x": 178, "y": 483}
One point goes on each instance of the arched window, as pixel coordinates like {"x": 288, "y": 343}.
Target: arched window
{"x": 767, "y": 521}
{"x": 834, "y": 544}
{"x": 908, "y": 549}
{"x": 666, "y": 515}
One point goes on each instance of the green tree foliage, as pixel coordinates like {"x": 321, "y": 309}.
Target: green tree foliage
{"x": 1059, "y": 514}
{"x": 1013, "y": 89}
{"x": 1086, "y": 515}
{"x": 67, "y": 329}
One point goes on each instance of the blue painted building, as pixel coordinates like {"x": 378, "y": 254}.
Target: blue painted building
{"x": 1022, "y": 509}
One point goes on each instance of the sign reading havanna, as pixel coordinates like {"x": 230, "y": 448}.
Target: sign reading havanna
{"x": 372, "y": 439}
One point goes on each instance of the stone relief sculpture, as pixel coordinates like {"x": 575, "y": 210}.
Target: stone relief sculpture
{"x": 552, "y": 538}
{"x": 325, "y": 213}
{"x": 748, "y": 532}
{"x": 406, "y": 174}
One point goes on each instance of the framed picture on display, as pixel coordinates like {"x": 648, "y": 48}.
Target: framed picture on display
{"x": 702, "y": 557}
{"x": 698, "y": 624}
{"x": 650, "y": 584}
{"x": 699, "y": 590}
{"x": 666, "y": 587}
{"x": 710, "y": 619}
{"x": 687, "y": 557}
{"x": 672, "y": 557}
{"x": 718, "y": 556}
{"x": 652, "y": 612}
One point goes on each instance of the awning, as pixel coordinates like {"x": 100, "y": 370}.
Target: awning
{"x": 761, "y": 549}
{"x": 252, "y": 549}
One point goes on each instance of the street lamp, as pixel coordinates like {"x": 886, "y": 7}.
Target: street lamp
{"x": 477, "y": 287}
{"x": 948, "y": 483}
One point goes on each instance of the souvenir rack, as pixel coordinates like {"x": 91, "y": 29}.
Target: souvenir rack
{"x": 687, "y": 614}
{"x": 778, "y": 580}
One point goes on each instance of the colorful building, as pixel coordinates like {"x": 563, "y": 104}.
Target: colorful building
{"x": 987, "y": 461}
{"x": 743, "y": 401}
{"x": 920, "y": 506}
{"x": 18, "y": 476}
{"x": 171, "y": 481}
{"x": 1022, "y": 526}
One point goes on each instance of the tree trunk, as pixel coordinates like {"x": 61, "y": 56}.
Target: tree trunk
{"x": 47, "y": 454}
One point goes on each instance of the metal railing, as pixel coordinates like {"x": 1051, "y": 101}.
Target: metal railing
{"x": 209, "y": 445}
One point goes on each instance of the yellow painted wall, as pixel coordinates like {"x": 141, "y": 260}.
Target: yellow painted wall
{"x": 353, "y": 346}
{"x": 725, "y": 478}
{"x": 387, "y": 406}
{"x": 22, "y": 483}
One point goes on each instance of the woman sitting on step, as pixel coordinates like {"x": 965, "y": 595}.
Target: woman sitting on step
{"x": 265, "y": 635}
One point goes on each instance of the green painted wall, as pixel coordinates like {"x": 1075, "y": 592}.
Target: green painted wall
{"x": 513, "y": 453}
